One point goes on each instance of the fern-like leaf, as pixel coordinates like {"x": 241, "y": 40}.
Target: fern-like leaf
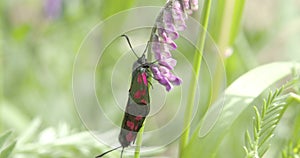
{"x": 265, "y": 121}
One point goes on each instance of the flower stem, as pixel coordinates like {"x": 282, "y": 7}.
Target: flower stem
{"x": 193, "y": 84}
{"x": 139, "y": 141}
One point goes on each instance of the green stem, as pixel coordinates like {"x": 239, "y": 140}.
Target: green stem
{"x": 226, "y": 22}
{"x": 293, "y": 97}
{"x": 1, "y": 68}
{"x": 139, "y": 141}
{"x": 230, "y": 23}
{"x": 216, "y": 19}
{"x": 236, "y": 20}
{"x": 229, "y": 28}
{"x": 193, "y": 84}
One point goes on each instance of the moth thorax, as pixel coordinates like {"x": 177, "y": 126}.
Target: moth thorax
{"x": 135, "y": 65}
{"x": 141, "y": 61}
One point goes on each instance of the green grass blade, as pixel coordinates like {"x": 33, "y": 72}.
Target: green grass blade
{"x": 4, "y": 137}
{"x": 193, "y": 84}
{"x": 236, "y": 20}
{"x": 5, "y": 153}
{"x": 30, "y": 132}
{"x": 139, "y": 141}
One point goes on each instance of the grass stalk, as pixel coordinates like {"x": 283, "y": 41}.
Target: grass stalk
{"x": 139, "y": 141}
{"x": 229, "y": 29}
{"x": 193, "y": 84}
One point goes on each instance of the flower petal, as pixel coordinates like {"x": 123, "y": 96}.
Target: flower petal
{"x": 186, "y": 4}
{"x": 194, "y": 5}
{"x": 172, "y": 45}
{"x": 174, "y": 79}
{"x": 170, "y": 63}
{"x": 171, "y": 31}
{"x": 156, "y": 73}
{"x": 166, "y": 83}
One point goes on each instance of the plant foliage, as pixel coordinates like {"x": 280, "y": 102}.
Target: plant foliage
{"x": 265, "y": 121}
{"x": 291, "y": 150}
{"x": 6, "y": 145}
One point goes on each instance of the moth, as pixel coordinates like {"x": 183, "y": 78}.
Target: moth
{"x": 138, "y": 104}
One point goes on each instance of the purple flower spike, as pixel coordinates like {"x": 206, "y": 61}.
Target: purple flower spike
{"x": 172, "y": 78}
{"x": 161, "y": 78}
{"x": 162, "y": 33}
{"x": 156, "y": 72}
{"x": 173, "y": 45}
{"x": 168, "y": 86}
{"x": 179, "y": 16}
{"x": 155, "y": 45}
{"x": 186, "y": 4}
{"x": 176, "y": 81}
{"x": 167, "y": 17}
{"x": 194, "y": 5}
{"x": 169, "y": 63}
{"x": 168, "y": 24}
{"x": 171, "y": 31}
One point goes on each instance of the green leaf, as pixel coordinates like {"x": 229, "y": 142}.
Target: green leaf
{"x": 264, "y": 149}
{"x": 238, "y": 96}
{"x": 7, "y": 151}
{"x": 257, "y": 116}
{"x": 268, "y": 122}
{"x": 4, "y": 137}
{"x": 30, "y": 132}
{"x": 248, "y": 140}
{"x": 264, "y": 109}
{"x": 13, "y": 117}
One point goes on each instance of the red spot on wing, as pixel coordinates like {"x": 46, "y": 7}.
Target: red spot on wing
{"x": 140, "y": 79}
{"x": 143, "y": 101}
{"x": 129, "y": 137}
{"x": 138, "y": 117}
{"x": 130, "y": 125}
{"x": 138, "y": 94}
{"x": 145, "y": 79}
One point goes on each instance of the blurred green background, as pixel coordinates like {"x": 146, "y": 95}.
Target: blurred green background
{"x": 40, "y": 39}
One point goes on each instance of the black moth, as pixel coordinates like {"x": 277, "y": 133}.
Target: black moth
{"x": 138, "y": 105}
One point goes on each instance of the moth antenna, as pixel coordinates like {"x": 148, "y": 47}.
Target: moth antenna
{"x": 146, "y": 48}
{"x": 128, "y": 41}
{"x": 109, "y": 151}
